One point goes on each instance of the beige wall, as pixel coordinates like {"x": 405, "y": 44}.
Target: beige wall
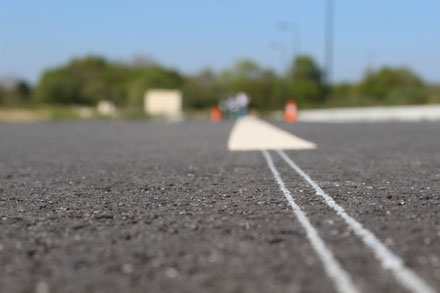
{"x": 163, "y": 102}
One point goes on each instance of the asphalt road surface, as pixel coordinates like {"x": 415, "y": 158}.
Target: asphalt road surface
{"x": 157, "y": 207}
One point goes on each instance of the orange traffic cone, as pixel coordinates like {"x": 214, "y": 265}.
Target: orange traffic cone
{"x": 291, "y": 113}
{"x": 216, "y": 114}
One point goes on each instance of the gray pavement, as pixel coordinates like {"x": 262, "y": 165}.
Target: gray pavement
{"x": 156, "y": 207}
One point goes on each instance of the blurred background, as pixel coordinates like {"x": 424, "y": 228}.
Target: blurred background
{"x": 95, "y": 59}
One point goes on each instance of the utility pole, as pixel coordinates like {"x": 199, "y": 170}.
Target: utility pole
{"x": 329, "y": 40}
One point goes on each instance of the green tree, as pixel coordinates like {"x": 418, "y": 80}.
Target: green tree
{"x": 305, "y": 82}
{"x": 393, "y": 86}
{"x": 91, "y": 79}
{"x": 57, "y": 87}
{"x": 22, "y": 90}
{"x": 201, "y": 91}
{"x": 262, "y": 85}
{"x": 80, "y": 82}
{"x": 17, "y": 92}
{"x": 3, "y": 95}
{"x": 142, "y": 79}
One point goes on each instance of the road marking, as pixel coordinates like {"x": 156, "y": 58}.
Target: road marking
{"x": 250, "y": 134}
{"x": 334, "y": 270}
{"x": 387, "y": 258}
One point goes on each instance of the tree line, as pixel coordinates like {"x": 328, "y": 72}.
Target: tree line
{"x": 87, "y": 80}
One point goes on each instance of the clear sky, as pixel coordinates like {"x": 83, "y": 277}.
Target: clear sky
{"x": 191, "y": 35}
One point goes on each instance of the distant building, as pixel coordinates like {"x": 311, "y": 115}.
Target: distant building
{"x": 166, "y": 103}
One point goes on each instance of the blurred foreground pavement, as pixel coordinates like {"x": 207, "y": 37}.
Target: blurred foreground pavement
{"x": 157, "y": 207}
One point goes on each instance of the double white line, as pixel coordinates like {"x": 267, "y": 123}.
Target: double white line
{"x": 341, "y": 279}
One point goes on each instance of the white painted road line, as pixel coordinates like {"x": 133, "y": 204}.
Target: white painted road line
{"x": 250, "y": 134}
{"x": 334, "y": 270}
{"x": 387, "y": 258}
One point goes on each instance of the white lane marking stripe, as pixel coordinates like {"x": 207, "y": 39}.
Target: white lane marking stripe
{"x": 339, "y": 276}
{"x": 388, "y": 259}
{"x": 250, "y": 134}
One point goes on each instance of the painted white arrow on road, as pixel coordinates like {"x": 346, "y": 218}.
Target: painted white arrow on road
{"x": 251, "y": 134}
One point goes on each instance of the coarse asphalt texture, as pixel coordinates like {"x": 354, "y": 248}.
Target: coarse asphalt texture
{"x": 165, "y": 207}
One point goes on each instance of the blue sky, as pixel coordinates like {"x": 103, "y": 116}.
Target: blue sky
{"x": 192, "y": 35}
